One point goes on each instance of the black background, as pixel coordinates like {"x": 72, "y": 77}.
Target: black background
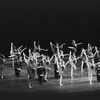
{"x": 25, "y": 21}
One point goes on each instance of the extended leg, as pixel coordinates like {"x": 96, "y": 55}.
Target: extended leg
{"x": 90, "y": 78}
{"x": 61, "y": 80}
{"x": 72, "y": 72}
{"x": 1, "y": 74}
{"x": 82, "y": 63}
{"x": 30, "y": 81}
{"x": 13, "y": 62}
{"x": 45, "y": 76}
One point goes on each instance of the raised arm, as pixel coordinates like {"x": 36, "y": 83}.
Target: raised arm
{"x": 52, "y": 47}
{"x": 41, "y": 49}
{"x": 78, "y": 44}
{"x": 35, "y": 47}
{"x": 70, "y": 47}
{"x": 61, "y": 46}
{"x": 23, "y": 49}
{"x": 66, "y": 63}
{"x": 52, "y": 57}
{"x": 52, "y": 44}
{"x": 20, "y": 47}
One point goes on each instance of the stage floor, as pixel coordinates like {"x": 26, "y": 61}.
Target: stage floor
{"x": 17, "y": 87}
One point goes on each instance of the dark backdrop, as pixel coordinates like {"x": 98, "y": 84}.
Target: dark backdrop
{"x": 23, "y": 21}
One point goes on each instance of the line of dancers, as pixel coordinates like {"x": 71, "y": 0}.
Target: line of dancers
{"x": 40, "y": 64}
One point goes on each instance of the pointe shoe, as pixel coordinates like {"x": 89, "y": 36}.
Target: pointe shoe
{"x": 72, "y": 77}
{"x": 30, "y": 86}
{"x": 82, "y": 71}
{"x": 2, "y": 77}
{"x": 46, "y": 79}
{"x": 61, "y": 84}
{"x": 91, "y": 82}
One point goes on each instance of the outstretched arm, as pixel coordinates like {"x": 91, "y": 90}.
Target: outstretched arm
{"x": 35, "y": 47}
{"x": 41, "y": 49}
{"x": 61, "y": 46}
{"x": 97, "y": 63}
{"x": 23, "y": 49}
{"x": 52, "y": 44}
{"x": 96, "y": 52}
{"x": 52, "y": 57}
{"x": 78, "y": 44}
{"x": 70, "y": 47}
{"x": 66, "y": 54}
{"x": 52, "y": 47}
{"x": 25, "y": 59}
{"x": 20, "y": 47}
{"x": 66, "y": 63}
